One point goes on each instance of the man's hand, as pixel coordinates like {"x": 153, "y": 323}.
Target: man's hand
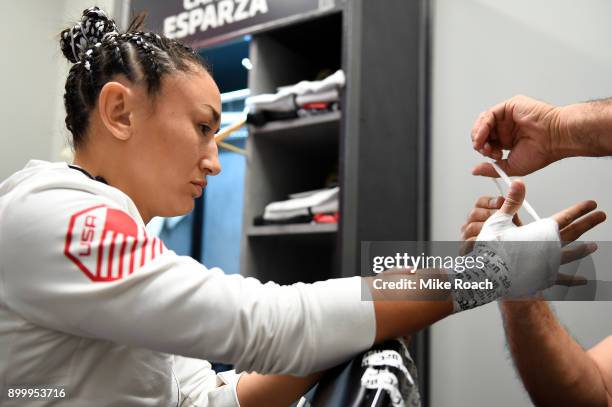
{"x": 530, "y": 129}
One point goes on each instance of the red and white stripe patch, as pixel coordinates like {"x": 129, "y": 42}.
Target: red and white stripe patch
{"x": 107, "y": 244}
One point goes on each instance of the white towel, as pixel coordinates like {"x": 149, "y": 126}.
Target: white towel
{"x": 285, "y": 99}
{"x": 335, "y": 81}
{"x": 319, "y": 202}
{"x": 318, "y": 97}
{"x": 271, "y": 103}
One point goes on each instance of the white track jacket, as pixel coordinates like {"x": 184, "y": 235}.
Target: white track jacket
{"x": 91, "y": 303}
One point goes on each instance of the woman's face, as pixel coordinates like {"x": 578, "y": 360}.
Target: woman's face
{"x": 173, "y": 144}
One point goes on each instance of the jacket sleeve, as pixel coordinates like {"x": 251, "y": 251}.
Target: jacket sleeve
{"x": 73, "y": 262}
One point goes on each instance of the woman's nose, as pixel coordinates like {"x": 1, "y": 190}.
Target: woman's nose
{"x": 210, "y": 164}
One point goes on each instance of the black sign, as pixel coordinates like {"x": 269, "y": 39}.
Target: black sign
{"x": 201, "y": 22}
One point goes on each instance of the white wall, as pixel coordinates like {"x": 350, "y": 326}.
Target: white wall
{"x": 32, "y": 77}
{"x": 484, "y": 51}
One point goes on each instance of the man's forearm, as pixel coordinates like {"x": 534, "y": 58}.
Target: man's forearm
{"x": 554, "y": 368}
{"x": 585, "y": 129}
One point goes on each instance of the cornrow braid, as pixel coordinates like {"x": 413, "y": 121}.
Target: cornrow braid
{"x": 100, "y": 52}
{"x": 146, "y": 55}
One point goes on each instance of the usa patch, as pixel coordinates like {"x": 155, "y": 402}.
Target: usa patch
{"x": 107, "y": 244}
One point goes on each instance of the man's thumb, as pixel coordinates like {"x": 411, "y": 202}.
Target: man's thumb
{"x": 514, "y": 198}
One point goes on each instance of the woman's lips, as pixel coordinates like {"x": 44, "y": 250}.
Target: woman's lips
{"x": 199, "y": 187}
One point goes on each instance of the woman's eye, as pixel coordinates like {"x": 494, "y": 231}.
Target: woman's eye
{"x": 205, "y": 129}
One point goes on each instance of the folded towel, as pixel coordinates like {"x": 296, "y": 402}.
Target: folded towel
{"x": 319, "y": 202}
{"x": 271, "y": 103}
{"x": 319, "y": 97}
{"x": 308, "y": 91}
{"x": 335, "y": 81}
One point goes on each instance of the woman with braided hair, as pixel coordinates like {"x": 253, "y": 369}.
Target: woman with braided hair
{"x": 91, "y": 303}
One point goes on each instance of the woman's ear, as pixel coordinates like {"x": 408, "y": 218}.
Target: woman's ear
{"x": 115, "y": 109}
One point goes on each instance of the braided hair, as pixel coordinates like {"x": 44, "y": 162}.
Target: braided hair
{"x": 99, "y": 52}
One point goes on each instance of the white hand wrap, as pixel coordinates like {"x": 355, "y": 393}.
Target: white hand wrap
{"x": 518, "y": 260}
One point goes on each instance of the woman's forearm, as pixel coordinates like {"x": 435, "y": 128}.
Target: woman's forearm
{"x": 401, "y": 313}
{"x": 255, "y": 390}
{"x": 395, "y": 318}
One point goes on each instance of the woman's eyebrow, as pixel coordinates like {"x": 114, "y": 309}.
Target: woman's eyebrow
{"x": 215, "y": 113}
